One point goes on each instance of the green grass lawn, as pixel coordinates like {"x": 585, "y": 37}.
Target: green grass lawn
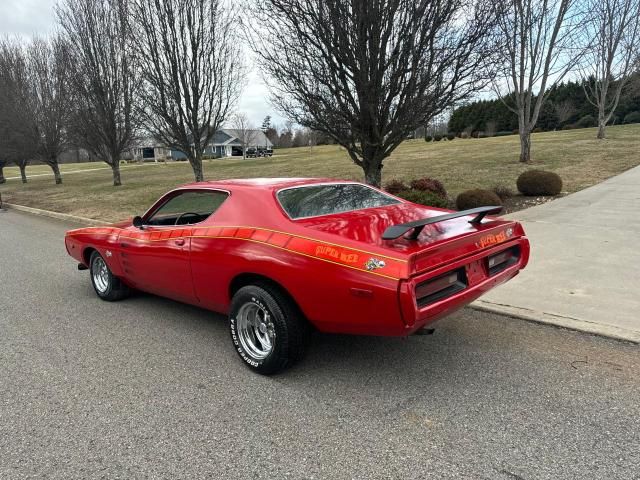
{"x": 576, "y": 155}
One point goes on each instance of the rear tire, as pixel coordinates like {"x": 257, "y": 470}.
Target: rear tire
{"x": 268, "y": 331}
{"x": 107, "y": 286}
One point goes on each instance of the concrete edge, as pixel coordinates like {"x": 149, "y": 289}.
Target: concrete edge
{"x": 545, "y": 318}
{"x": 56, "y": 215}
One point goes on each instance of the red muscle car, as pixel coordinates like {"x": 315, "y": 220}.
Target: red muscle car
{"x": 280, "y": 256}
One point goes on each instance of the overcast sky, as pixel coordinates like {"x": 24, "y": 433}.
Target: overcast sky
{"x": 31, "y": 17}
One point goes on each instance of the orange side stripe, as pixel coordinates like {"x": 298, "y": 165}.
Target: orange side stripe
{"x": 318, "y": 249}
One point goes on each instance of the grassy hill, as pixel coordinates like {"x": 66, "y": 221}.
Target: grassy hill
{"x": 576, "y": 155}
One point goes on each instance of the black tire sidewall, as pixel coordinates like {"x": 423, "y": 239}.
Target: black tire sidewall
{"x": 262, "y": 298}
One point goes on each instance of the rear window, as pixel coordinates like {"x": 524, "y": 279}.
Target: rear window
{"x": 316, "y": 200}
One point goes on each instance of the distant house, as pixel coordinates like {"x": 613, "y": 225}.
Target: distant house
{"x": 227, "y": 143}
{"x": 149, "y": 150}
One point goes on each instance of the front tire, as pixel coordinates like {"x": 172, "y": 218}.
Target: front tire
{"x": 107, "y": 286}
{"x": 267, "y": 329}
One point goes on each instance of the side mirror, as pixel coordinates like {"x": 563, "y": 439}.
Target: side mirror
{"x": 138, "y": 222}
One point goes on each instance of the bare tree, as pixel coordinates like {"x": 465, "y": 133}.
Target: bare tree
{"x": 105, "y": 77}
{"x": 49, "y": 72}
{"x": 6, "y": 94}
{"x": 244, "y": 130}
{"x": 369, "y": 72}
{"x": 615, "y": 31}
{"x": 538, "y": 48}
{"x": 18, "y": 140}
{"x": 285, "y": 138}
{"x": 313, "y": 137}
{"x": 192, "y": 73}
{"x": 564, "y": 110}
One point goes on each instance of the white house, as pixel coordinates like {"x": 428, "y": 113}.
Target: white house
{"x": 227, "y": 143}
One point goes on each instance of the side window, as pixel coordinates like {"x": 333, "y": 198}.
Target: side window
{"x": 187, "y": 208}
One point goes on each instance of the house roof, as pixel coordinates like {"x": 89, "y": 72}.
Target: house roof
{"x": 221, "y": 138}
{"x": 257, "y": 137}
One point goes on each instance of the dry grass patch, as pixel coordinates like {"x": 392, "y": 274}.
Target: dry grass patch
{"x": 575, "y": 155}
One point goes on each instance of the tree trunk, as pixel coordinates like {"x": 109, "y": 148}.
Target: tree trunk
{"x": 23, "y": 172}
{"x": 602, "y": 123}
{"x": 525, "y": 146}
{"x": 115, "y": 167}
{"x": 373, "y": 174}
{"x": 2, "y": 179}
{"x": 196, "y": 164}
{"x": 56, "y": 172}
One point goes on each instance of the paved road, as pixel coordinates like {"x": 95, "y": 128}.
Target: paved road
{"x": 585, "y": 261}
{"x": 148, "y": 388}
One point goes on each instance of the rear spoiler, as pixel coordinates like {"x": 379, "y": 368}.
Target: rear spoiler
{"x": 397, "y": 231}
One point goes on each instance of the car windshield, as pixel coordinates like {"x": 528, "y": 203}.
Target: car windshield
{"x": 316, "y": 200}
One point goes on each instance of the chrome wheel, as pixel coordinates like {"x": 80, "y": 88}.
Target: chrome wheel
{"x": 255, "y": 330}
{"x": 100, "y": 273}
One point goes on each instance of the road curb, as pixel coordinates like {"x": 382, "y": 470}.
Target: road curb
{"x": 545, "y": 318}
{"x": 56, "y": 215}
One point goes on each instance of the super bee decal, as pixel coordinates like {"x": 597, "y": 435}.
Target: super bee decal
{"x": 493, "y": 239}
{"x": 336, "y": 254}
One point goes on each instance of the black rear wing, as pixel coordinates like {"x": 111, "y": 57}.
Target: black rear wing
{"x": 397, "y": 231}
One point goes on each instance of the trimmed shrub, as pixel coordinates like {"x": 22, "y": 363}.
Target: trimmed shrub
{"x": 437, "y": 138}
{"x": 477, "y": 198}
{"x": 587, "y": 121}
{"x": 424, "y": 198}
{"x": 429, "y": 185}
{"x": 537, "y": 130}
{"x": 633, "y": 117}
{"x": 451, "y": 136}
{"x": 502, "y": 191}
{"x": 464, "y": 135}
{"x": 569, "y": 126}
{"x": 395, "y": 186}
{"x": 475, "y": 134}
{"x": 428, "y": 138}
{"x": 539, "y": 182}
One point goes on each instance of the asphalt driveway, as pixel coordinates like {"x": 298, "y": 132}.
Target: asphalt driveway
{"x": 149, "y": 388}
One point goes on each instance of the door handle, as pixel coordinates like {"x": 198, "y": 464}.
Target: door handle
{"x": 180, "y": 242}
{"x": 124, "y": 245}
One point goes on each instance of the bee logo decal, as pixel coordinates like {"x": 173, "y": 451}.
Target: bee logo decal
{"x": 374, "y": 264}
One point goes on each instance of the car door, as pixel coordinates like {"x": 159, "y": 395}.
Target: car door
{"x": 156, "y": 260}
{"x": 156, "y": 257}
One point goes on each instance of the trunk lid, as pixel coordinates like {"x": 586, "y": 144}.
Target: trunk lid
{"x": 438, "y": 243}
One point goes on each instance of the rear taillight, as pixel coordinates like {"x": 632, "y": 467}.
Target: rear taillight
{"x": 440, "y": 287}
{"x": 500, "y": 261}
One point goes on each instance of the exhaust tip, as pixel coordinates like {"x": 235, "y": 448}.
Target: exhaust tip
{"x": 425, "y": 331}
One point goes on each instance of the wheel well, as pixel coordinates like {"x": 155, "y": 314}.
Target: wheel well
{"x": 86, "y": 255}
{"x": 245, "y": 279}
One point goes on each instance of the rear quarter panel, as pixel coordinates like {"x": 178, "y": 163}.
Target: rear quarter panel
{"x": 335, "y": 298}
